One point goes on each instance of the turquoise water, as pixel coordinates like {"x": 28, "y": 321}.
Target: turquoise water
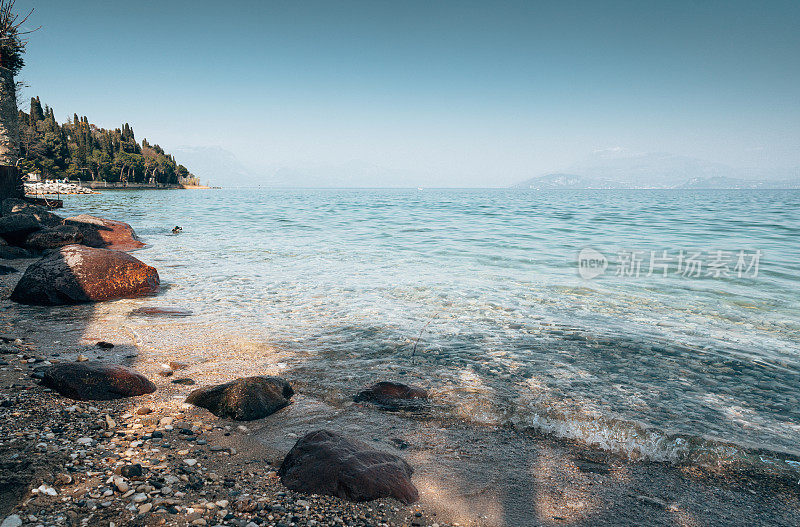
{"x": 677, "y": 368}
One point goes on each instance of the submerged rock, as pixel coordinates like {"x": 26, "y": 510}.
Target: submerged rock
{"x": 106, "y": 234}
{"x": 4, "y": 270}
{"x": 75, "y": 274}
{"x": 54, "y": 237}
{"x": 394, "y": 396}
{"x": 161, "y": 312}
{"x": 96, "y": 381}
{"x": 325, "y": 462}
{"x": 244, "y": 399}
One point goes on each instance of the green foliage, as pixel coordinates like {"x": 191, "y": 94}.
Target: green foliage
{"x": 80, "y": 150}
{"x": 12, "y": 43}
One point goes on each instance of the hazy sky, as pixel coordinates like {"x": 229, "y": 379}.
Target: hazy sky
{"x": 467, "y": 92}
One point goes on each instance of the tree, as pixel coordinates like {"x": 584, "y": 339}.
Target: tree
{"x": 12, "y": 47}
{"x": 79, "y": 149}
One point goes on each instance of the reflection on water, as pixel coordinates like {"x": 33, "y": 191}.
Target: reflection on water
{"x": 670, "y": 368}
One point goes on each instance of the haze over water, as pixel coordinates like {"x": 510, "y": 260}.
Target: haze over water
{"x": 670, "y": 368}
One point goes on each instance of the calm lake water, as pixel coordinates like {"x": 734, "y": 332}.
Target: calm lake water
{"x": 691, "y": 366}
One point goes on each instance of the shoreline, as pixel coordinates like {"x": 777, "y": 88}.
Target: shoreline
{"x": 44, "y": 189}
{"x": 505, "y": 477}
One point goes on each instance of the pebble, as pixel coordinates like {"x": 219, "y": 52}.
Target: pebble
{"x": 139, "y": 497}
{"x": 63, "y": 479}
{"x": 82, "y": 358}
{"x": 12, "y": 521}
{"x": 44, "y": 489}
{"x": 121, "y": 485}
{"x": 145, "y": 507}
{"x": 191, "y": 462}
{"x": 132, "y": 471}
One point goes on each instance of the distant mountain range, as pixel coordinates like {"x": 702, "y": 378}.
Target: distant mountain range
{"x": 221, "y": 167}
{"x": 617, "y": 169}
{"x": 215, "y": 165}
{"x": 609, "y": 169}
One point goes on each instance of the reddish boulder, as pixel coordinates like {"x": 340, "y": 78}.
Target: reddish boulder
{"x": 96, "y": 381}
{"x": 75, "y": 274}
{"x": 244, "y": 399}
{"x": 106, "y": 234}
{"x": 394, "y": 396}
{"x": 325, "y": 462}
{"x": 53, "y": 238}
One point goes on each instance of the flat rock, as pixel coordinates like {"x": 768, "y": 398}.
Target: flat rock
{"x": 96, "y": 381}
{"x": 76, "y": 274}
{"x": 53, "y": 237}
{"x": 394, "y": 396}
{"x": 244, "y": 399}
{"x": 13, "y": 205}
{"x": 9, "y": 252}
{"x": 16, "y": 227}
{"x": 106, "y": 234}
{"x": 325, "y": 462}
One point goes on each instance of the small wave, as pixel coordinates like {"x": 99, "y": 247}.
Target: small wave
{"x": 638, "y": 442}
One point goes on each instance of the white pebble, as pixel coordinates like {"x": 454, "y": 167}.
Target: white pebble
{"x": 139, "y": 497}
{"x": 12, "y": 521}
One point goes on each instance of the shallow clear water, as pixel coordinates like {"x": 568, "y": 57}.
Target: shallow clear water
{"x": 670, "y": 368}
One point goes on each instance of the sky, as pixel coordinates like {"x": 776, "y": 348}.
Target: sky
{"x": 455, "y": 93}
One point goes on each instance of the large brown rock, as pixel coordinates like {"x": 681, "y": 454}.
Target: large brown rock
{"x": 75, "y": 274}
{"x": 394, "y": 396}
{"x": 53, "y": 237}
{"x": 325, "y": 462}
{"x": 244, "y": 399}
{"x": 106, "y": 234}
{"x": 96, "y": 381}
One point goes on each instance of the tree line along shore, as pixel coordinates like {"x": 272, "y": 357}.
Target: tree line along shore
{"x": 80, "y": 150}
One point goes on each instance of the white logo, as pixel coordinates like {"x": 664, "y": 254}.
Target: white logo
{"x": 591, "y": 263}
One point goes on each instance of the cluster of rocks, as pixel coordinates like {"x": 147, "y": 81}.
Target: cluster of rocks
{"x": 322, "y": 462}
{"x": 56, "y": 187}
{"x": 81, "y": 258}
{"x": 96, "y": 459}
